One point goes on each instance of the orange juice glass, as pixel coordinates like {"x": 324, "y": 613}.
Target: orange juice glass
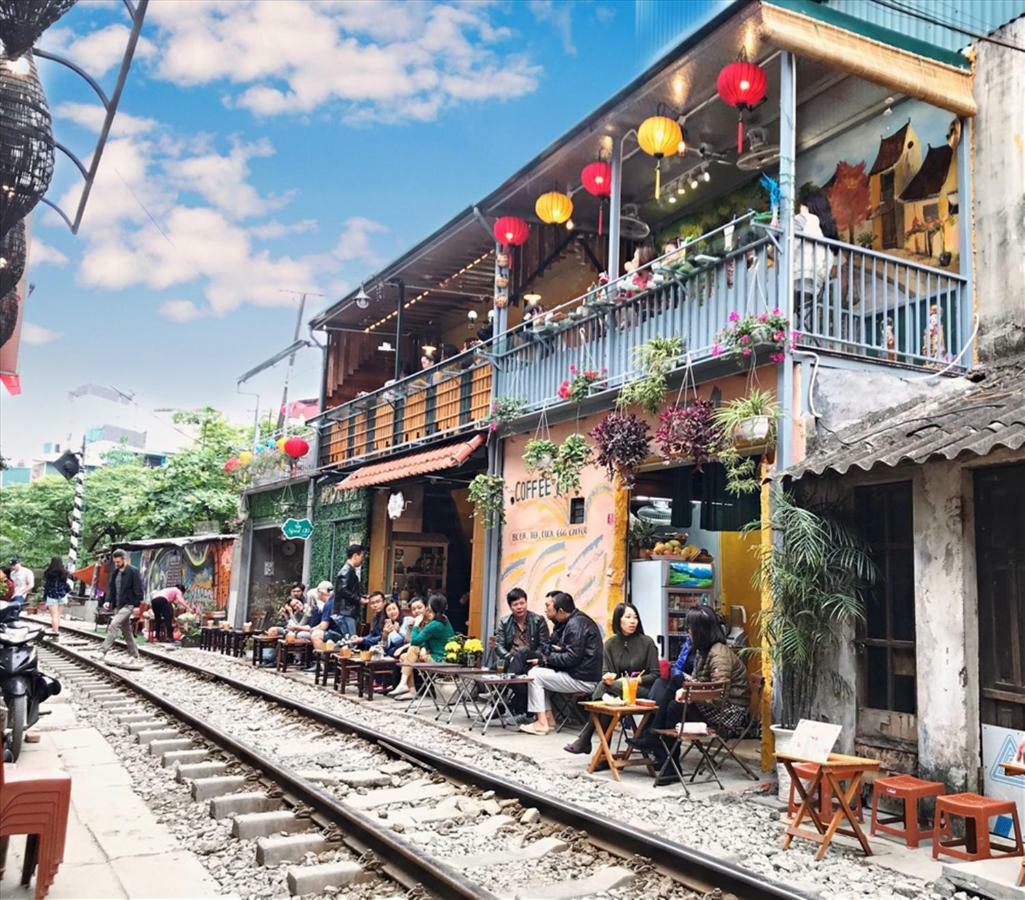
{"x": 630, "y": 690}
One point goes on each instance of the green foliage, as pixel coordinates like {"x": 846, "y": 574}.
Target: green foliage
{"x": 35, "y": 520}
{"x": 487, "y": 494}
{"x": 741, "y": 473}
{"x": 655, "y": 359}
{"x": 574, "y": 453}
{"x": 539, "y": 455}
{"x": 816, "y": 571}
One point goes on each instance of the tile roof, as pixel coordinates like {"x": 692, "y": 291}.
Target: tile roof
{"x": 976, "y": 420}
{"x": 447, "y": 456}
{"x": 930, "y": 177}
{"x": 890, "y": 150}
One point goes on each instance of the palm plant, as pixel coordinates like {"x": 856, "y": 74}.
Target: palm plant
{"x": 816, "y": 571}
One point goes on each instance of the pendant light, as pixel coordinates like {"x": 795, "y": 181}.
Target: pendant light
{"x": 742, "y": 84}
{"x": 596, "y": 178}
{"x": 659, "y": 136}
{"x": 554, "y": 207}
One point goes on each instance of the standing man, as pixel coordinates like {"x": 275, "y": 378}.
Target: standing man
{"x": 124, "y": 594}
{"x": 349, "y": 595}
{"x": 521, "y": 635}
{"x": 23, "y": 580}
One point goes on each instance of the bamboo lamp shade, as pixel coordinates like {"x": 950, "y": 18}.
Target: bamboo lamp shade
{"x": 12, "y": 257}
{"x": 23, "y": 21}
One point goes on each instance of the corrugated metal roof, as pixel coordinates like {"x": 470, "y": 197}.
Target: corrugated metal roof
{"x": 976, "y": 421}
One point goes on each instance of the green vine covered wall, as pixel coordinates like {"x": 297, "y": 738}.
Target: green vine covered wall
{"x": 339, "y": 518}
{"x": 288, "y": 502}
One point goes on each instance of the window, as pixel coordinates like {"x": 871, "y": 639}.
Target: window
{"x": 577, "y": 508}
{"x": 931, "y": 211}
{"x": 887, "y": 666}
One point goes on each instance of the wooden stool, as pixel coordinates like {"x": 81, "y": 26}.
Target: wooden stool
{"x": 348, "y": 666}
{"x": 807, "y": 773}
{"x": 206, "y": 637}
{"x": 976, "y": 810}
{"x": 909, "y": 790}
{"x": 260, "y": 643}
{"x": 299, "y": 652}
{"x": 366, "y": 677}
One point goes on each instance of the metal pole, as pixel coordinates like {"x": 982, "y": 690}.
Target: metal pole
{"x": 76, "y": 512}
{"x": 788, "y": 192}
{"x": 966, "y": 251}
{"x": 615, "y": 205}
{"x": 398, "y": 328}
{"x": 291, "y": 361}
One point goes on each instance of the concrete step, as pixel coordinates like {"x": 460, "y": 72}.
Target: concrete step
{"x": 185, "y": 757}
{"x": 605, "y": 879}
{"x": 273, "y": 851}
{"x": 201, "y": 770}
{"x": 250, "y": 826}
{"x": 206, "y": 788}
{"x": 237, "y": 804}
{"x": 313, "y": 879}
{"x": 159, "y": 748}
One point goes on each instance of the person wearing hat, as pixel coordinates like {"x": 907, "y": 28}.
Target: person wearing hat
{"x": 318, "y": 599}
{"x": 24, "y": 582}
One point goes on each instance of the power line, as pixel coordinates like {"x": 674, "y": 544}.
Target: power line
{"x": 951, "y": 26}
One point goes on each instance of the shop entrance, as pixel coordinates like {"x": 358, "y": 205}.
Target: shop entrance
{"x": 275, "y": 563}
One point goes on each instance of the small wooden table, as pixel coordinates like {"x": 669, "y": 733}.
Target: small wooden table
{"x": 348, "y": 666}
{"x": 369, "y": 671}
{"x": 828, "y": 777}
{"x": 616, "y": 714}
{"x": 1016, "y": 768}
{"x": 263, "y": 642}
{"x": 300, "y": 652}
{"x": 326, "y": 662}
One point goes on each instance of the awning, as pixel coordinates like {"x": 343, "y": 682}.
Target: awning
{"x": 975, "y": 420}
{"x": 447, "y": 456}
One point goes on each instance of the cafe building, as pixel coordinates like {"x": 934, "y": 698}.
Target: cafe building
{"x": 786, "y": 172}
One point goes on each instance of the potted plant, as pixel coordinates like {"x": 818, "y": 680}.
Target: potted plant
{"x": 743, "y": 335}
{"x": 504, "y": 411}
{"x": 945, "y": 257}
{"x": 642, "y": 536}
{"x": 578, "y": 386}
{"x": 866, "y": 239}
{"x": 622, "y": 442}
{"x": 655, "y": 359}
{"x": 688, "y": 432}
{"x": 816, "y": 570}
{"x": 745, "y": 422}
{"x": 573, "y": 454}
{"x": 473, "y": 648}
{"x": 487, "y": 494}
{"x": 539, "y": 455}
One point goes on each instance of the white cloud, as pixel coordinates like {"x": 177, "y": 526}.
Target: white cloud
{"x": 42, "y": 253}
{"x": 37, "y": 335}
{"x": 91, "y": 116}
{"x": 560, "y": 16}
{"x": 354, "y": 241}
{"x": 180, "y": 311}
{"x": 99, "y": 51}
{"x": 274, "y": 229}
{"x": 377, "y": 59}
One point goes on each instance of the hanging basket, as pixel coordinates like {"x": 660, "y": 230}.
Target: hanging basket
{"x": 26, "y": 145}
{"x": 23, "y": 21}
{"x": 12, "y": 257}
{"x": 752, "y": 431}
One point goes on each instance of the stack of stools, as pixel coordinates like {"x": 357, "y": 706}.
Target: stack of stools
{"x": 35, "y": 803}
{"x": 976, "y": 811}
{"x": 909, "y": 790}
{"x": 807, "y": 771}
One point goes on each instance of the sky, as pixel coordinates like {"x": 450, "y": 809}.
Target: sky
{"x": 264, "y": 148}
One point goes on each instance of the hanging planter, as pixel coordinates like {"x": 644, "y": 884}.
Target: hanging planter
{"x": 487, "y": 494}
{"x": 573, "y": 454}
{"x": 655, "y": 359}
{"x": 578, "y": 386}
{"x": 746, "y": 423}
{"x": 688, "y": 433}
{"x": 744, "y": 336}
{"x": 622, "y": 442}
{"x": 12, "y": 257}
{"x": 504, "y": 411}
{"x": 539, "y": 456}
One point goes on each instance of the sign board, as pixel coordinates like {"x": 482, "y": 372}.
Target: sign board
{"x": 297, "y": 528}
{"x": 813, "y": 740}
{"x": 1000, "y": 745}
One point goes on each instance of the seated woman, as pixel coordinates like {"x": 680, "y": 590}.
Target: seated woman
{"x": 391, "y": 629}
{"x": 427, "y": 641}
{"x": 417, "y": 607}
{"x": 628, "y": 652}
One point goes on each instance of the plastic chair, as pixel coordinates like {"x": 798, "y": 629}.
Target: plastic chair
{"x": 976, "y": 810}
{"x": 909, "y": 790}
{"x": 35, "y": 803}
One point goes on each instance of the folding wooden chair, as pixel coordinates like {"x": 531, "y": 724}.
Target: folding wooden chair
{"x": 565, "y": 708}
{"x": 727, "y": 745}
{"x": 672, "y": 739}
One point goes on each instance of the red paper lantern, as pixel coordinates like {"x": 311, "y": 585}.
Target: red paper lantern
{"x": 596, "y": 178}
{"x": 296, "y": 447}
{"x": 511, "y": 231}
{"x": 742, "y": 84}
{"x": 231, "y": 465}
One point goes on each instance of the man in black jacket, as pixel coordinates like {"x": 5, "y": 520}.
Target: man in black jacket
{"x": 575, "y": 669}
{"x": 349, "y": 597}
{"x": 124, "y": 594}
{"x": 521, "y": 636}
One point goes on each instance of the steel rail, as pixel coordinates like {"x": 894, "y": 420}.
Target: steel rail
{"x": 437, "y": 878}
{"x": 693, "y": 868}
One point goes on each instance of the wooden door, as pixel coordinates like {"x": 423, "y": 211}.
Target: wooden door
{"x": 1000, "y": 560}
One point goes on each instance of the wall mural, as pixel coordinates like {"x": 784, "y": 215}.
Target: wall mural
{"x": 204, "y": 568}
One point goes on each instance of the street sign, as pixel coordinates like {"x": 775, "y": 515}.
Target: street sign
{"x": 297, "y": 528}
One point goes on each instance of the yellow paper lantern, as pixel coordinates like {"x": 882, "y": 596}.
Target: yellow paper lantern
{"x": 245, "y": 458}
{"x": 658, "y": 137}
{"x": 554, "y": 208}
{"x": 280, "y": 444}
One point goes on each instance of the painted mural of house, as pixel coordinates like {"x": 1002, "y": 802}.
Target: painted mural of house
{"x": 895, "y": 165}
{"x": 930, "y": 203}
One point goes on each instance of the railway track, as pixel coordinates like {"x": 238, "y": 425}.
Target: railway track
{"x": 430, "y": 821}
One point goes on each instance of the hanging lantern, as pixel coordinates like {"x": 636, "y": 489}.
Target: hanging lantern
{"x": 659, "y": 136}
{"x": 26, "y": 144}
{"x": 12, "y": 257}
{"x": 272, "y": 444}
{"x": 231, "y": 465}
{"x": 296, "y": 447}
{"x": 511, "y": 231}
{"x": 245, "y": 458}
{"x": 23, "y": 21}
{"x": 554, "y": 208}
{"x": 596, "y": 178}
{"x": 741, "y": 84}
{"x": 281, "y": 445}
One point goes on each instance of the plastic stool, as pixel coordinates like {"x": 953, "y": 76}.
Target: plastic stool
{"x": 976, "y": 810}
{"x": 909, "y": 790}
{"x": 806, "y": 772}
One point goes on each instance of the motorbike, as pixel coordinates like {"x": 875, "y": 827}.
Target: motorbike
{"x": 22, "y": 685}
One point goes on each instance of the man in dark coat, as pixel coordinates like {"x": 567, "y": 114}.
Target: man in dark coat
{"x": 124, "y": 594}
{"x": 521, "y": 636}
{"x": 349, "y": 596}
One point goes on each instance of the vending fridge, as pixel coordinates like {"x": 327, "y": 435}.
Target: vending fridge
{"x": 663, "y": 591}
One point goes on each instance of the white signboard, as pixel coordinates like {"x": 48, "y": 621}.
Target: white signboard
{"x": 1000, "y": 745}
{"x": 813, "y": 740}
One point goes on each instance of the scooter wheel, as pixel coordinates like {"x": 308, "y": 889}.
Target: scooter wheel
{"x": 18, "y": 711}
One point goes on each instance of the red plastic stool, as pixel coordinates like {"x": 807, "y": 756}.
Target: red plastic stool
{"x": 35, "y": 804}
{"x": 909, "y": 790}
{"x": 976, "y": 810}
{"x": 807, "y": 772}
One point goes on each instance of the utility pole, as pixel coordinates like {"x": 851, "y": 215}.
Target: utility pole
{"x": 291, "y": 359}
{"x": 76, "y": 512}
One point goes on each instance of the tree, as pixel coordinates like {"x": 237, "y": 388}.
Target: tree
{"x": 35, "y": 520}
{"x": 849, "y": 197}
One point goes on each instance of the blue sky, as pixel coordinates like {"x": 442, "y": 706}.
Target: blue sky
{"x": 265, "y": 147}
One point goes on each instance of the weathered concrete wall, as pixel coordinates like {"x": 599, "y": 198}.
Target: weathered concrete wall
{"x": 946, "y": 626}
{"x": 999, "y": 195}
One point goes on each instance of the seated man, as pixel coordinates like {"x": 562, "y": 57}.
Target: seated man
{"x": 298, "y": 619}
{"x": 520, "y": 637}
{"x": 575, "y": 669}
{"x": 373, "y": 637}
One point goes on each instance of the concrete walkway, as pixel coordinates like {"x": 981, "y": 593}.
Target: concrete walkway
{"x": 115, "y": 847}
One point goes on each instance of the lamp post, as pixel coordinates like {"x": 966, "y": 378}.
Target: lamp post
{"x": 398, "y": 282}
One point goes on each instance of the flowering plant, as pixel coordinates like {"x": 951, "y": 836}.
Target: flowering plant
{"x": 454, "y": 650}
{"x": 473, "y": 645}
{"x": 744, "y": 334}
{"x": 688, "y": 432}
{"x": 622, "y": 443}
{"x": 578, "y": 385}
{"x": 503, "y": 411}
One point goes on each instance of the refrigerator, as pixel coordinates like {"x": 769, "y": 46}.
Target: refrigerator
{"x": 663, "y": 591}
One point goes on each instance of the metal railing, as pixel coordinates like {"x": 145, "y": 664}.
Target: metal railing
{"x": 270, "y": 465}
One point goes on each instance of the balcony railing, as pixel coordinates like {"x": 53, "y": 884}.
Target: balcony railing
{"x": 271, "y": 466}
{"x": 847, "y": 300}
